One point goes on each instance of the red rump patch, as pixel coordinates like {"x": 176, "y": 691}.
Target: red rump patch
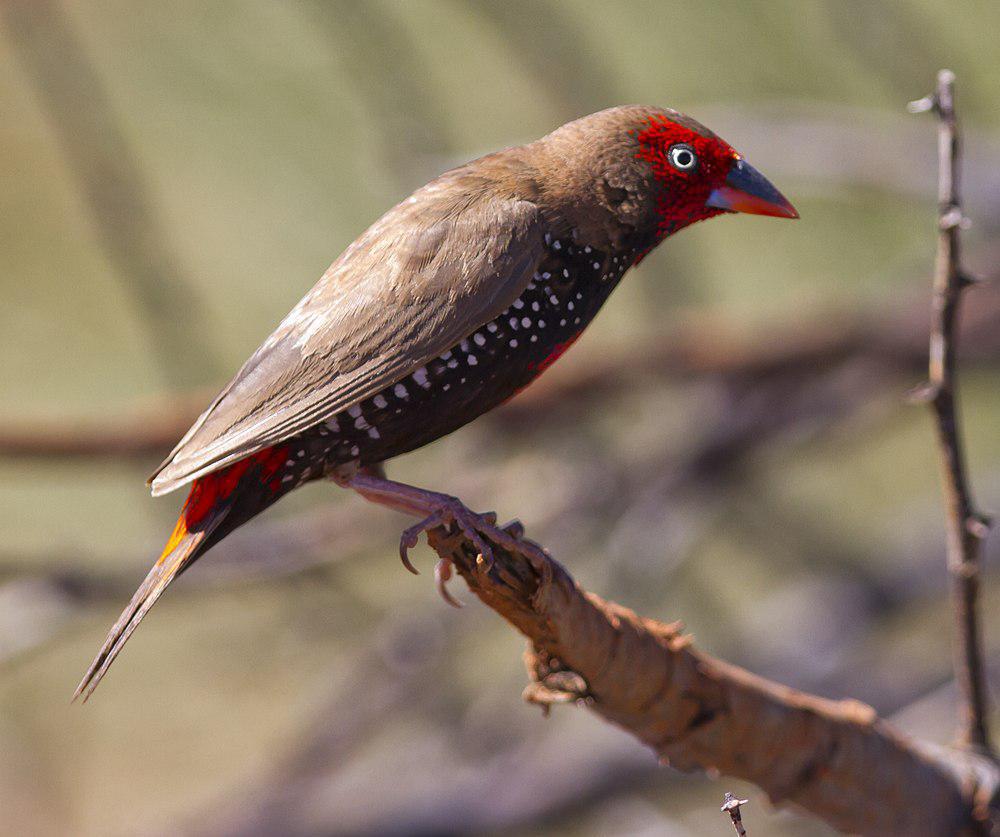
{"x": 211, "y": 489}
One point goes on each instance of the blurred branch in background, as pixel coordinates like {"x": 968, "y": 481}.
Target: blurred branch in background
{"x": 893, "y": 341}
{"x": 83, "y": 119}
{"x": 967, "y": 527}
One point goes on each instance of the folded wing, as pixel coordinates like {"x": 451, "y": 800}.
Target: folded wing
{"x": 423, "y": 277}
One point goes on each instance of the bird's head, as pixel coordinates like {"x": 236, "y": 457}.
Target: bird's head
{"x": 658, "y": 171}
{"x": 698, "y": 175}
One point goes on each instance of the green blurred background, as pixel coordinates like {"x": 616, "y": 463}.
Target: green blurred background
{"x": 176, "y": 175}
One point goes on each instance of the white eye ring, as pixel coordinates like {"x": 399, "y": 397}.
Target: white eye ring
{"x": 682, "y": 157}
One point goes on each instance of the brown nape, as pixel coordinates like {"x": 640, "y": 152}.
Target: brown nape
{"x": 590, "y": 175}
{"x": 584, "y": 176}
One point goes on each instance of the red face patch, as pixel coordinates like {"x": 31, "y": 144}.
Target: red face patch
{"x": 687, "y": 166}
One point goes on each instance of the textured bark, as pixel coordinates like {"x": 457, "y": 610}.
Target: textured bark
{"x": 836, "y": 759}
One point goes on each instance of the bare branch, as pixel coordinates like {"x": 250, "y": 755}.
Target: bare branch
{"x": 836, "y": 759}
{"x": 966, "y": 526}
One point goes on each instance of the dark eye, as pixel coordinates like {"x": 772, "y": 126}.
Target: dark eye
{"x": 682, "y": 157}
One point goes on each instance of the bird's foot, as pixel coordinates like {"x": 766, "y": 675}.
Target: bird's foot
{"x": 442, "y": 511}
{"x": 480, "y": 529}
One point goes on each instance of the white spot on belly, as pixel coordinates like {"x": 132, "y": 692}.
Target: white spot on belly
{"x": 478, "y": 339}
{"x": 420, "y": 376}
{"x": 373, "y": 433}
{"x": 354, "y": 411}
{"x": 380, "y": 402}
{"x": 472, "y": 360}
{"x": 400, "y": 391}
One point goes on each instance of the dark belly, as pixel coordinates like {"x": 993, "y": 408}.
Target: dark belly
{"x": 473, "y": 377}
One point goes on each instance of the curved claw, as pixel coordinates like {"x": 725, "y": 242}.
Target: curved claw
{"x": 405, "y": 545}
{"x": 410, "y": 536}
{"x": 442, "y": 574}
{"x": 479, "y": 529}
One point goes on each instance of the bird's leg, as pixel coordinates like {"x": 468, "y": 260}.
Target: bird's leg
{"x": 436, "y": 509}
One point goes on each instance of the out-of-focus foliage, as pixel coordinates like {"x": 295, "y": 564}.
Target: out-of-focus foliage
{"x": 254, "y": 140}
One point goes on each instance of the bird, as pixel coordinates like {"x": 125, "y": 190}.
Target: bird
{"x": 447, "y": 306}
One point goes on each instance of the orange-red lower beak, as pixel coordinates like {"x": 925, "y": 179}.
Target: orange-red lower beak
{"x": 747, "y": 190}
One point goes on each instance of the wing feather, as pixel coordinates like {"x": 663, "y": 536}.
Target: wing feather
{"x": 423, "y": 277}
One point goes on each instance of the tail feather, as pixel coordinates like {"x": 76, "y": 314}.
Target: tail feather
{"x": 232, "y": 496}
{"x": 182, "y": 548}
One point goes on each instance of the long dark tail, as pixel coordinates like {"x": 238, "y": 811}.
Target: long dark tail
{"x": 218, "y": 504}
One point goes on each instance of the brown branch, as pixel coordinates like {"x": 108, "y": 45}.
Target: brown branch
{"x": 966, "y": 527}
{"x": 836, "y": 759}
{"x": 149, "y": 429}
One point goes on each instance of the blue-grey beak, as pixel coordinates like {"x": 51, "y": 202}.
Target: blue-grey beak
{"x": 747, "y": 190}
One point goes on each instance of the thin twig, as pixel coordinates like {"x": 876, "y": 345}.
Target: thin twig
{"x": 966, "y": 526}
{"x": 731, "y": 806}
